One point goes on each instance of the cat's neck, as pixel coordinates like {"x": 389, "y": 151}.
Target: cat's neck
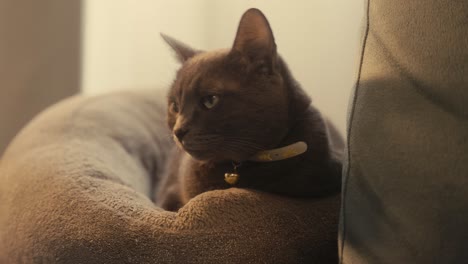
{"x": 282, "y": 153}
{"x": 310, "y": 173}
{"x": 313, "y": 172}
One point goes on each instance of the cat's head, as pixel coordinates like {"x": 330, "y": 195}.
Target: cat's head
{"x": 230, "y": 104}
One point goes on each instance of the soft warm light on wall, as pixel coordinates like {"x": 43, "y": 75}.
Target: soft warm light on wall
{"x": 319, "y": 39}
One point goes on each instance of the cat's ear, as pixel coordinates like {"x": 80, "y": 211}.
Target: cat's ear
{"x": 183, "y": 51}
{"x": 254, "y": 38}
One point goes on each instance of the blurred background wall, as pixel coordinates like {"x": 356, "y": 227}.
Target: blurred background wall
{"x": 39, "y": 59}
{"x": 319, "y": 39}
{"x": 51, "y": 49}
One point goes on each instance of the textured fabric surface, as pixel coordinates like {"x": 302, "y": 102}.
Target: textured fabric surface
{"x": 405, "y": 196}
{"x": 74, "y": 188}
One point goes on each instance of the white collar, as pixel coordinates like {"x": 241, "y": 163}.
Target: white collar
{"x": 282, "y": 153}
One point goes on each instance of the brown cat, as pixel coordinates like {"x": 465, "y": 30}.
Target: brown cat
{"x": 240, "y": 114}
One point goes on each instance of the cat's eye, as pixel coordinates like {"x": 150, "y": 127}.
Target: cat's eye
{"x": 175, "y": 107}
{"x": 210, "y": 101}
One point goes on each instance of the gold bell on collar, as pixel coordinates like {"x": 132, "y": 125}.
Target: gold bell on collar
{"x": 231, "y": 177}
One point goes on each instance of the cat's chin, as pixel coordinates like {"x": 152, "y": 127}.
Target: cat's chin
{"x": 200, "y": 155}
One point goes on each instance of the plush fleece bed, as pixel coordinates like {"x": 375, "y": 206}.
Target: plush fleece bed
{"x": 76, "y": 187}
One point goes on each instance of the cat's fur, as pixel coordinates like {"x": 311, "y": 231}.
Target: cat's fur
{"x": 260, "y": 107}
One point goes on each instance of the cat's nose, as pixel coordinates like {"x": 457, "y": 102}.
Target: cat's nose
{"x": 180, "y": 133}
